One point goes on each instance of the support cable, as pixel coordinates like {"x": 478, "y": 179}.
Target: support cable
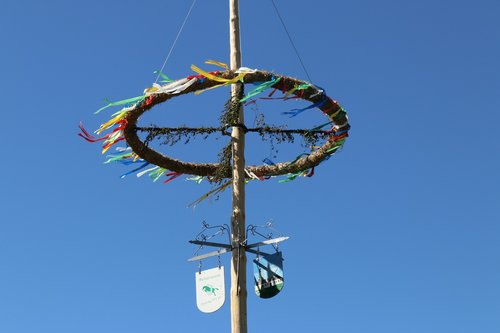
{"x": 291, "y": 40}
{"x": 175, "y": 41}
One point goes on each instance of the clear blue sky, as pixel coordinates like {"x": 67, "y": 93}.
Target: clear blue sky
{"x": 398, "y": 233}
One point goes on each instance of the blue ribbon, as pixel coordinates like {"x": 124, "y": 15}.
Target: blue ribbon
{"x": 135, "y": 170}
{"x": 296, "y": 112}
{"x": 268, "y": 161}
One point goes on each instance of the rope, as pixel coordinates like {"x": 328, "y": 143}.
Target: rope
{"x": 175, "y": 41}
{"x": 291, "y": 40}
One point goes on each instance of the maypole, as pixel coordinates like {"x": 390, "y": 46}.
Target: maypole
{"x": 238, "y": 260}
{"x": 231, "y": 170}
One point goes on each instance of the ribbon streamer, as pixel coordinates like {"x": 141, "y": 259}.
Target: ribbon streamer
{"x": 215, "y": 191}
{"x": 135, "y": 170}
{"x": 268, "y": 161}
{"x": 260, "y": 88}
{"x": 114, "y": 158}
{"x": 215, "y": 78}
{"x": 142, "y": 173}
{"x": 299, "y": 87}
{"x": 296, "y": 112}
{"x": 175, "y": 87}
{"x": 217, "y": 63}
{"x": 156, "y": 174}
{"x": 196, "y": 179}
{"x": 290, "y": 177}
{"x": 173, "y": 175}
{"x": 163, "y": 76}
{"x": 87, "y": 136}
{"x": 317, "y": 128}
{"x": 118, "y": 119}
{"x": 123, "y": 102}
{"x": 252, "y": 175}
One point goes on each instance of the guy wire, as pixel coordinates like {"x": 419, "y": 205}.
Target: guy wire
{"x": 175, "y": 41}
{"x": 291, "y": 40}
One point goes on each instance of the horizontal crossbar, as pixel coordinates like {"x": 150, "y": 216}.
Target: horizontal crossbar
{"x": 209, "y": 254}
{"x": 205, "y": 130}
{"x": 197, "y": 242}
{"x": 224, "y": 248}
{"x": 267, "y": 242}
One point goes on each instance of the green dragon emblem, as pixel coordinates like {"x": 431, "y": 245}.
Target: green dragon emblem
{"x": 210, "y": 290}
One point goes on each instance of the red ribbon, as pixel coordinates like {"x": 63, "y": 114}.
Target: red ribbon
{"x": 172, "y": 176}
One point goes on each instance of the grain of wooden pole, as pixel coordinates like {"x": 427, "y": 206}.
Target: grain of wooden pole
{"x": 238, "y": 259}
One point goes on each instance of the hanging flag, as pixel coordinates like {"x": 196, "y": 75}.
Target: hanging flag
{"x": 210, "y": 289}
{"x": 268, "y": 274}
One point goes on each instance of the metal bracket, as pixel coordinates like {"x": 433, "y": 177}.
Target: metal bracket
{"x": 267, "y": 242}
{"x": 202, "y": 243}
{"x": 225, "y": 248}
{"x": 209, "y": 254}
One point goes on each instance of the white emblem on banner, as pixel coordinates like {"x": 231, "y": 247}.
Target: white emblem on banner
{"x": 210, "y": 289}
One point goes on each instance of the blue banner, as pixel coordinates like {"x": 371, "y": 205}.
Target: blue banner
{"x": 268, "y": 274}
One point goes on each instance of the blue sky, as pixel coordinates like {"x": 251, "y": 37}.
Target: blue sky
{"x": 399, "y": 232}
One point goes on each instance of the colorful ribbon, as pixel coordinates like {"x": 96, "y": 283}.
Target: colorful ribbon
{"x": 163, "y": 76}
{"x": 126, "y": 156}
{"x": 296, "y": 112}
{"x": 122, "y": 102}
{"x": 260, "y": 88}
{"x": 215, "y": 78}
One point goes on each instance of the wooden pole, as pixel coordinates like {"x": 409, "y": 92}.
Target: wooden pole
{"x": 238, "y": 259}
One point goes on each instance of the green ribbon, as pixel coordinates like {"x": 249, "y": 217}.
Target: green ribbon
{"x": 123, "y": 102}
{"x": 321, "y": 126}
{"x": 196, "y": 179}
{"x": 156, "y": 174}
{"x": 163, "y": 76}
{"x": 337, "y": 145}
{"x": 291, "y": 176}
{"x": 113, "y": 158}
{"x": 303, "y": 86}
{"x": 260, "y": 88}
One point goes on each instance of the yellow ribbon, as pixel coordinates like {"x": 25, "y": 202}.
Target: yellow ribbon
{"x": 150, "y": 90}
{"x": 217, "y": 63}
{"x": 216, "y": 190}
{"x": 111, "y": 122}
{"x": 216, "y": 78}
{"x": 217, "y": 86}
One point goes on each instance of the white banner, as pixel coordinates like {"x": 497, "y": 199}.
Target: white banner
{"x": 210, "y": 289}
